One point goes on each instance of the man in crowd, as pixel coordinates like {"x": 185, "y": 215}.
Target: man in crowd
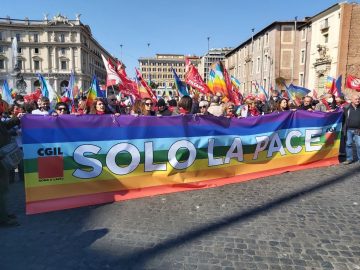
{"x": 215, "y": 107}
{"x": 352, "y": 127}
{"x": 307, "y": 104}
{"x": 44, "y": 106}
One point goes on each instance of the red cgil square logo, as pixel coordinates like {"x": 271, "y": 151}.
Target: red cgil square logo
{"x": 50, "y": 167}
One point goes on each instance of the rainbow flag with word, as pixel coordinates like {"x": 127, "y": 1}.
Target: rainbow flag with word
{"x": 216, "y": 81}
{"x": 91, "y": 159}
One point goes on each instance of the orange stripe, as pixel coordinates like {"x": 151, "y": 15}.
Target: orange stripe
{"x": 72, "y": 202}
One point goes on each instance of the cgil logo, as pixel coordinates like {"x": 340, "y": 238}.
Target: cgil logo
{"x": 54, "y": 151}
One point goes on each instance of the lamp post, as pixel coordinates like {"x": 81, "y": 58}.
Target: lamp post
{"x": 149, "y": 62}
{"x": 121, "y": 46}
{"x": 208, "y": 43}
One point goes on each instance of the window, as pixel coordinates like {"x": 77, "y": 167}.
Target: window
{"x": 326, "y": 38}
{"x": 265, "y": 62}
{"x": 302, "y": 57}
{"x": 63, "y": 65}
{"x": 267, "y": 38}
{"x": 17, "y": 37}
{"x": 62, "y": 38}
{"x": 19, "y": 64}
{"x": 63, "y": 50}
{"x": 1, "y": 49}
{"x": 36, "y": 64}
{"x": 1, "y": 35}
{"x": 19, "y": 50}
{"x": 36, "y": 50}
{"x": 2, "y": 64}
{"x": 36, "y": 37}
{"x": 301, "y": 79}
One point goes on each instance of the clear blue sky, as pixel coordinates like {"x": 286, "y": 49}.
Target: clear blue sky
{"x": 169, "y": 26}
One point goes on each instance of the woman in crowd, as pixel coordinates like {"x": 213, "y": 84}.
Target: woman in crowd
{"x": 283, "y": 105}
{"x": 99, "y": 107}
{"x": 61, "y": 108}
{"x": 185, "y": 105}
{"x": 147, "y": 108}
{"x": 82, "y": 108}
{"x": 229, "y": 110}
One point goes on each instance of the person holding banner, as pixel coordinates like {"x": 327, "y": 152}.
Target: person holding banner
{"x": 352, "y": 128}
{"x": 44, "y": 106}
{"x": 283, "y": 105}
{"x": 147, "y": 107}
{"x": 6, "y": 219}
{"x": 99, "y": 107}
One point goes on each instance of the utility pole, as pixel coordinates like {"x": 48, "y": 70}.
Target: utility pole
{"x": 208, "y": 43}
{"x": 148, "y": 62}
{"x": 121, "y": 46}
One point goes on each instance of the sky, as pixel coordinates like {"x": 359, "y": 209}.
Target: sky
{"x": 170, "y": 26}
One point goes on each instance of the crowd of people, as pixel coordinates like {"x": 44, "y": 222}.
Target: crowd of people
{"x": 213, "y": 105}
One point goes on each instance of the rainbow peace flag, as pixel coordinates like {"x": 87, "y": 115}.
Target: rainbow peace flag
{"x": 90, "y": 159}
{"x": 216, "y": 81}
{"x": 93, "y": 91}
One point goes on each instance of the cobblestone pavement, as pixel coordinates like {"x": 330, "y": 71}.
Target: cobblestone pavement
{"x": 299, "y": 220}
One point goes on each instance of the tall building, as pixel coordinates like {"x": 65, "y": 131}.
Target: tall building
{"x": 333, "y": 45}
{"x": 53, "y": 47}
{"x": 268, "y": 54}
{"x": 212, "y": 56}
{"x": 158, "y": 69}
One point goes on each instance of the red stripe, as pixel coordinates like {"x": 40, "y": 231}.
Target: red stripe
{"x": 85, "y": 200}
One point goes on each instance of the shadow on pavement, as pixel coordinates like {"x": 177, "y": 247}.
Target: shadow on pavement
{"x": 138, "y": 259}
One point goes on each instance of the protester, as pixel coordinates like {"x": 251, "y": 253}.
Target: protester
{"x": 82, "y": 107}
{"x": 99, "y": 107}
{"x": 307, "y": 104}
{"x": 113, "y": 106}
{"x": 43, "y": 106}
{"x": 185, "y": 105}
{"x": 6, "y": 219}
{"x": 352, "y": 127}
{"x": 203, "y": 108}
{"x": 61, "y": 108}
{"x": 327, "y": 103}
{"x": 163, "y": 110}
{"x": 215, "y": 108}
{"x": 229, "y": 110}
{"x": 273, "y": 101}
{"x": 282, "y": 105}
{"x": 4, "y": 106}
{"x": 147, "y": 107}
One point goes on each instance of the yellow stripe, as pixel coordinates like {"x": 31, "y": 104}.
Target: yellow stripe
{"x": 108, "y": 182}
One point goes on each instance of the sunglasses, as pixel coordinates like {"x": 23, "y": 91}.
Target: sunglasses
{"x": 203, "y": 107}
{"x": 149, "y": 104}
{"x": 61, "y": 109}
{"x": 113, "y": 99}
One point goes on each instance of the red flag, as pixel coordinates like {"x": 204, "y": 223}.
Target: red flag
{"x": 112, "y": 77}
{"x": 324, "y": 101}
{"x": 145, "y": 85}
{"x": 232, "y": 94}
{"x": 128, "y": 86}
{"x": 353, "y": 83}
{"x": 193, "y": 78}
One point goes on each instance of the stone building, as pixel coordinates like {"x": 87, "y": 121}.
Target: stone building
{"x": 265, "y": 56}
{"x": 53, "y": 47}
{"x": 158, "y": 69}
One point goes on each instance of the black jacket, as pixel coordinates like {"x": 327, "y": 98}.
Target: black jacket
{"x": 5, "y": 137}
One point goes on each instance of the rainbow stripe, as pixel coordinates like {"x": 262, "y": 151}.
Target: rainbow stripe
{"x": 211, "y": 158}
{"x": 216, "y": 81}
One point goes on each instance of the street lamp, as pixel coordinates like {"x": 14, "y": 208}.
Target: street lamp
{"x": 121, "y": 46}
{"x": 208, "y": 42}
{"x": 149, "y": 62}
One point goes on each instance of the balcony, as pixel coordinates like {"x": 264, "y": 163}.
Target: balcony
{"x": 324, "y": 26}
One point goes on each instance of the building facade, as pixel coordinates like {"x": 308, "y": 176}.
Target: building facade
{"x": 159, "y": 69}
{"x": 53, "y": 47}
{"x": 265, "y": 56}
{"x": 302, "y": 52}
{"x": 334, "y": 45}
{"x": 212, "y": 56}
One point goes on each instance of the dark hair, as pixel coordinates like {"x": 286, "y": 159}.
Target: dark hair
{"x": 186, "y": 103}
{"x": 172, "y": 102}
{"x": 59, "y": 104}
{"x": 93, "y": 106}
{"x": 278, "y": 107}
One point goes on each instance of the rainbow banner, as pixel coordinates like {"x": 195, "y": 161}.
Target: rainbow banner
{"x": 73, "y": 161}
